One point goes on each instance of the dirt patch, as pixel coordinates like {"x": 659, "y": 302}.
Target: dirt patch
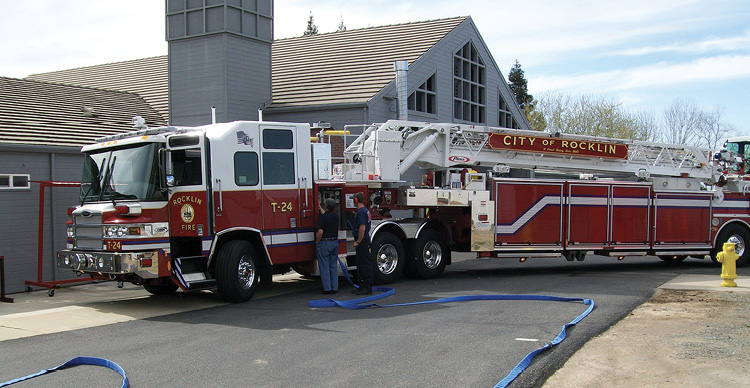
{"x": 675, "y": 339}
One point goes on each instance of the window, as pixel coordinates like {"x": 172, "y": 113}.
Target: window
{"x": 278, "y": 168}
{"x": 469, "y": 85}
{"x": 505, "y": 118}
{"x": 424, "y": 98}
{"x": 186, "y": 167}
{"x": 278, "y": 139}
{"x": 246, "y": 168}
{"x": 14, "y": 181}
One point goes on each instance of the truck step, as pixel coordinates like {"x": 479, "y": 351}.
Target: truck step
{"x": 191, "y": 273}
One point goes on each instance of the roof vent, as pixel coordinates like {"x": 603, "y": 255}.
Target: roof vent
{"x": 88, "y": 111}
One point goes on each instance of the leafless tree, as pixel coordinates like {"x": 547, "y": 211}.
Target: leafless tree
{"x": 713, "y": 132}
{"x": 682, "y": 123}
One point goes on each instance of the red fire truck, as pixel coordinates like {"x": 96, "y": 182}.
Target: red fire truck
{"x": 228, "y": 205}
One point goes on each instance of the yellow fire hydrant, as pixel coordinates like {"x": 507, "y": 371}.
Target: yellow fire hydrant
{"x": 728, "y": 259}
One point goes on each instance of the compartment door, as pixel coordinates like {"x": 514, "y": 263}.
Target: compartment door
{"x": 528, "y": 213}
{"x": 588, "y": 215}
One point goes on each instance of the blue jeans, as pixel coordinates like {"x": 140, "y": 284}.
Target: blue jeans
{"x": 328, "y": 264}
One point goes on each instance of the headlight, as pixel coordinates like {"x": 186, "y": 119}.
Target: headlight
{"x": 101, "y": 262}
{"x": 69, "y": 229}
{"x": 110, "y": 231}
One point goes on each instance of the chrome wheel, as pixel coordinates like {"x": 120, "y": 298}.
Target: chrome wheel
{"x": 739, "y": 236}
{"x": 432, "y": 254}
{"x": 387, "y": 259}
{"x": 428, "y": 255}
{"x": 739, "y": 244}
{"x": 246, "y": 272}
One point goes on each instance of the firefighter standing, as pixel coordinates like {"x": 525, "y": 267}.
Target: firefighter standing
{"x": 361, "y": 233}
{"x": 328, "y": 245}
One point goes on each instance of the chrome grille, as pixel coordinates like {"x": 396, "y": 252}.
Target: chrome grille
{"x": 87, "y": 232}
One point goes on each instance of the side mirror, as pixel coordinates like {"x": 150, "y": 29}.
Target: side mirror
{"x": 170, "y": 180}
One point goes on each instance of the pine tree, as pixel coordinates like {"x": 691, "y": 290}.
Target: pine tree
{"x": 519, "y": 86}
{"x": 342, "y": 26}
{"x": 312, "y": 29}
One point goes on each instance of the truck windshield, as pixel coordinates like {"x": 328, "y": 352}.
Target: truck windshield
{"x": 742, "y": 149}
{"x": 130, "y": 173}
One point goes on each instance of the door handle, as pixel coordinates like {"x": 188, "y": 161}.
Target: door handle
{"x": 221, "y": 196}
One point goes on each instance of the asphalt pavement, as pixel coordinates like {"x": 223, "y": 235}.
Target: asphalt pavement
{"x": 275, "y": 340}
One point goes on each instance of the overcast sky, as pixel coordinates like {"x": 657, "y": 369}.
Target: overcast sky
{"x": 644, "y": 53}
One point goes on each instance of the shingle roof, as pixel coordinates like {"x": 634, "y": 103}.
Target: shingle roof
{"x": 337, "y": 67}
{"x": 41, "y": 113}
{"x": 148, "y": 77}
{"x": 348, "y": 66}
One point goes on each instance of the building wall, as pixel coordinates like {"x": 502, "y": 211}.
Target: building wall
{"x": 439, "y": 61}
{"x": 229, "y": 72}
{"x": 219, "y": 55}
{"x": 19, "y": 211}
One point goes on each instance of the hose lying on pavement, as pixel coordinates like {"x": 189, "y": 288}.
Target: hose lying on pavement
{"x": 81, "y": 360}
{"x": 363, "y": 303}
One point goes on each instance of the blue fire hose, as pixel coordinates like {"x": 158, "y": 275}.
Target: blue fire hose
{"x": 363, "y": 303}
{"x": 75, "y": 362}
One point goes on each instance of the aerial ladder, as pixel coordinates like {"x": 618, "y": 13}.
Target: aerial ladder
{"x": 386, "y": 151}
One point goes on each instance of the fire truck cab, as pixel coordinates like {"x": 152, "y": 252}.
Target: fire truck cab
{"x": 222, "y": 205}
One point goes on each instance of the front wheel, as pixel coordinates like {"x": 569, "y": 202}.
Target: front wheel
{"x": 740, "y": 237}
{"x": 237, "y": 271}
{"x": 388, "y": 253}
{"x": 429, "y": 255}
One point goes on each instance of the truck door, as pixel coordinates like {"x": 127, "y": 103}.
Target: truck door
{"x": 189, "y": 207}
{"x": 281, "y": 192}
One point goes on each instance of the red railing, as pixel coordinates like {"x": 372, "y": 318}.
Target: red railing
{"x": 40, "y": 245}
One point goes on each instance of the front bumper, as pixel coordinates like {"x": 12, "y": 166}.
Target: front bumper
{"x": 143, "y": 264}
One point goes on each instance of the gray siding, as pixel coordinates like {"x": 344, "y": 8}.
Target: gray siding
{"x": 248, "y": 77}
{"x": 20, "y": 211}
{"x": 196, "y": 79}
{"x": 229, "y": 72}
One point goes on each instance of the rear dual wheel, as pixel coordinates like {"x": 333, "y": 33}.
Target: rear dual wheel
{"x": 428, "y": 256}
{"x": 388, "y": 253}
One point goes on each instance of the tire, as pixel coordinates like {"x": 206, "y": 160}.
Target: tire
{"x": 161, "y": 289}
{"x": 388, "y": 253}
{"x": 737, "y": 234}
{"x": 672, "y": 259}
{"x": 428, "y": 256}
{"x": 237, "y": 271}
